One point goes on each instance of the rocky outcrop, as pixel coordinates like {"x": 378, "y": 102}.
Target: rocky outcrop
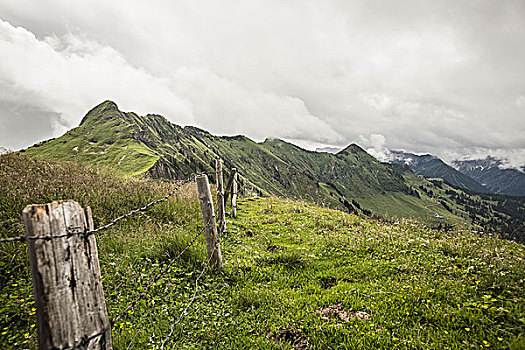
{"x": 161, "y": 170}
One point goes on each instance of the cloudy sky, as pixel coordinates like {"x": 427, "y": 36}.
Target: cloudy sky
{"x": 444, "y": 77}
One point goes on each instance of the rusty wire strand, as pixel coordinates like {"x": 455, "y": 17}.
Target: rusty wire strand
{"x": 155, "y": 279}
{"x": 105, "y": 227}
{"x": 84, "y": 341}
{"x": 191, "y": 301}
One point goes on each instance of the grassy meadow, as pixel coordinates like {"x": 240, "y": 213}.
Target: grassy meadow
{"x": 296, "y": 276}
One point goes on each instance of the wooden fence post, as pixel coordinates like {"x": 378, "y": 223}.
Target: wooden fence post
{"x": 234, "y": 194}
{"x": 221, "y": 212}
{"x": 208, "y": 218}
{"x": 229, "y": 184}
{"x": 70, "y": 306}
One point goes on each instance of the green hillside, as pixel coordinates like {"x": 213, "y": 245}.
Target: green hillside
{"x": 297, "y": 276}
{"x": 350, "y": 180}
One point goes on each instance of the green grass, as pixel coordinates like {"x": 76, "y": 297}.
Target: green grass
{"x": 129, "y": 156}
{"x": 421, "y": 288}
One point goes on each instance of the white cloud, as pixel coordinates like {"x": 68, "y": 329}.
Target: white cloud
{"x": 510, "y": 159}
{"x": 520, "y": 101}
{"x": 375, "y": 145}
{"x": 70, "y": 74}
{"x": 316, "y": 72}
{"x": 227, "y": 107}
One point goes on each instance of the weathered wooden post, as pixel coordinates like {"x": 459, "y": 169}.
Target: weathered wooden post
{"x": 221, "y": 212}
{"x": 208, "y": 218}
{"x": 234, "y": 194}
{"x": 228, "y": 189}
{"x": 70, "y": 306}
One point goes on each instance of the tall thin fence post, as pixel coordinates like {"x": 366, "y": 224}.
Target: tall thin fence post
{"x": 234, "y": 193}
{"x": 208, "y": 218}
{"x": 229, "y": 186}
{"x": 70, "y": 305}
{"x": 221, "y": 212}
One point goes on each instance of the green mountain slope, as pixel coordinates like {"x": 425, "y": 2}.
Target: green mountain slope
{"x": 351, "y": 179}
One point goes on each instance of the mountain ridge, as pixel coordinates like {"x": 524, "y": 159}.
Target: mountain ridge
{"x": 433, "y": 167}
{"x": 489, "y": 172}
{"x": 351, "y": 179}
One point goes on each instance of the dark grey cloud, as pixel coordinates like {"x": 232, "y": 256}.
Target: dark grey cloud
{"x": 19, "y": 119}
{"x": 443, "y": 77}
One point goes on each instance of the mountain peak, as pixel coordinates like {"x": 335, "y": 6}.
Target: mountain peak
{"x": 273, "y": 140}
{"x": 351, "y": 148}
{"x": 102, "y": 109}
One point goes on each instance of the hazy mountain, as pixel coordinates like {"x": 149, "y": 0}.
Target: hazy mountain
{"x": 491, "y": 173}
{"x": 432, "y": 167}
{"x": 333, "y": 150}
{"x": 350, "y": 180}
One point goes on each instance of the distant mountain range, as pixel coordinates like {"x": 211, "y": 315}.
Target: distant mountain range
{"x": 350, "y": 180}
{"x": 492, "y": 174}
{"x": 483, "y": 175}
{"x": 432, "y": 167}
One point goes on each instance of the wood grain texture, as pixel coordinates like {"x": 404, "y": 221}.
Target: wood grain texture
{"x": 208, "y": 219}
{"x": 71, "y": 310}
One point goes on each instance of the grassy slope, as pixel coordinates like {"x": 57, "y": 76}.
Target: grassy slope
{"x": 134, "y": 144}
{"x": 349, "y": 180}
{"x": 423, "y": 289}
{"x": 100, "y": 143}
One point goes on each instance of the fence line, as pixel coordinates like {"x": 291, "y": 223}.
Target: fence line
{"x": 209, "y": 228}
{"x": 105, "y": 227}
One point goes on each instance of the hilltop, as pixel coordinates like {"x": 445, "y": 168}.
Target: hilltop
{"x": 349, "y": 180}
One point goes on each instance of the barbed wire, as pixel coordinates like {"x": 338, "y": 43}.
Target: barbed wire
{"x": 13, "y": 239}
{"x": 165, "y": 198}
{"x": 191, "y": 301}
{"x": 156, "y": 278}
{"x": 85, "y": 341}
{"x": 105, "y": 227}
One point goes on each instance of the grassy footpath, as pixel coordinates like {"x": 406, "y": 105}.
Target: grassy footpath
{"x": 297, "y": 275}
